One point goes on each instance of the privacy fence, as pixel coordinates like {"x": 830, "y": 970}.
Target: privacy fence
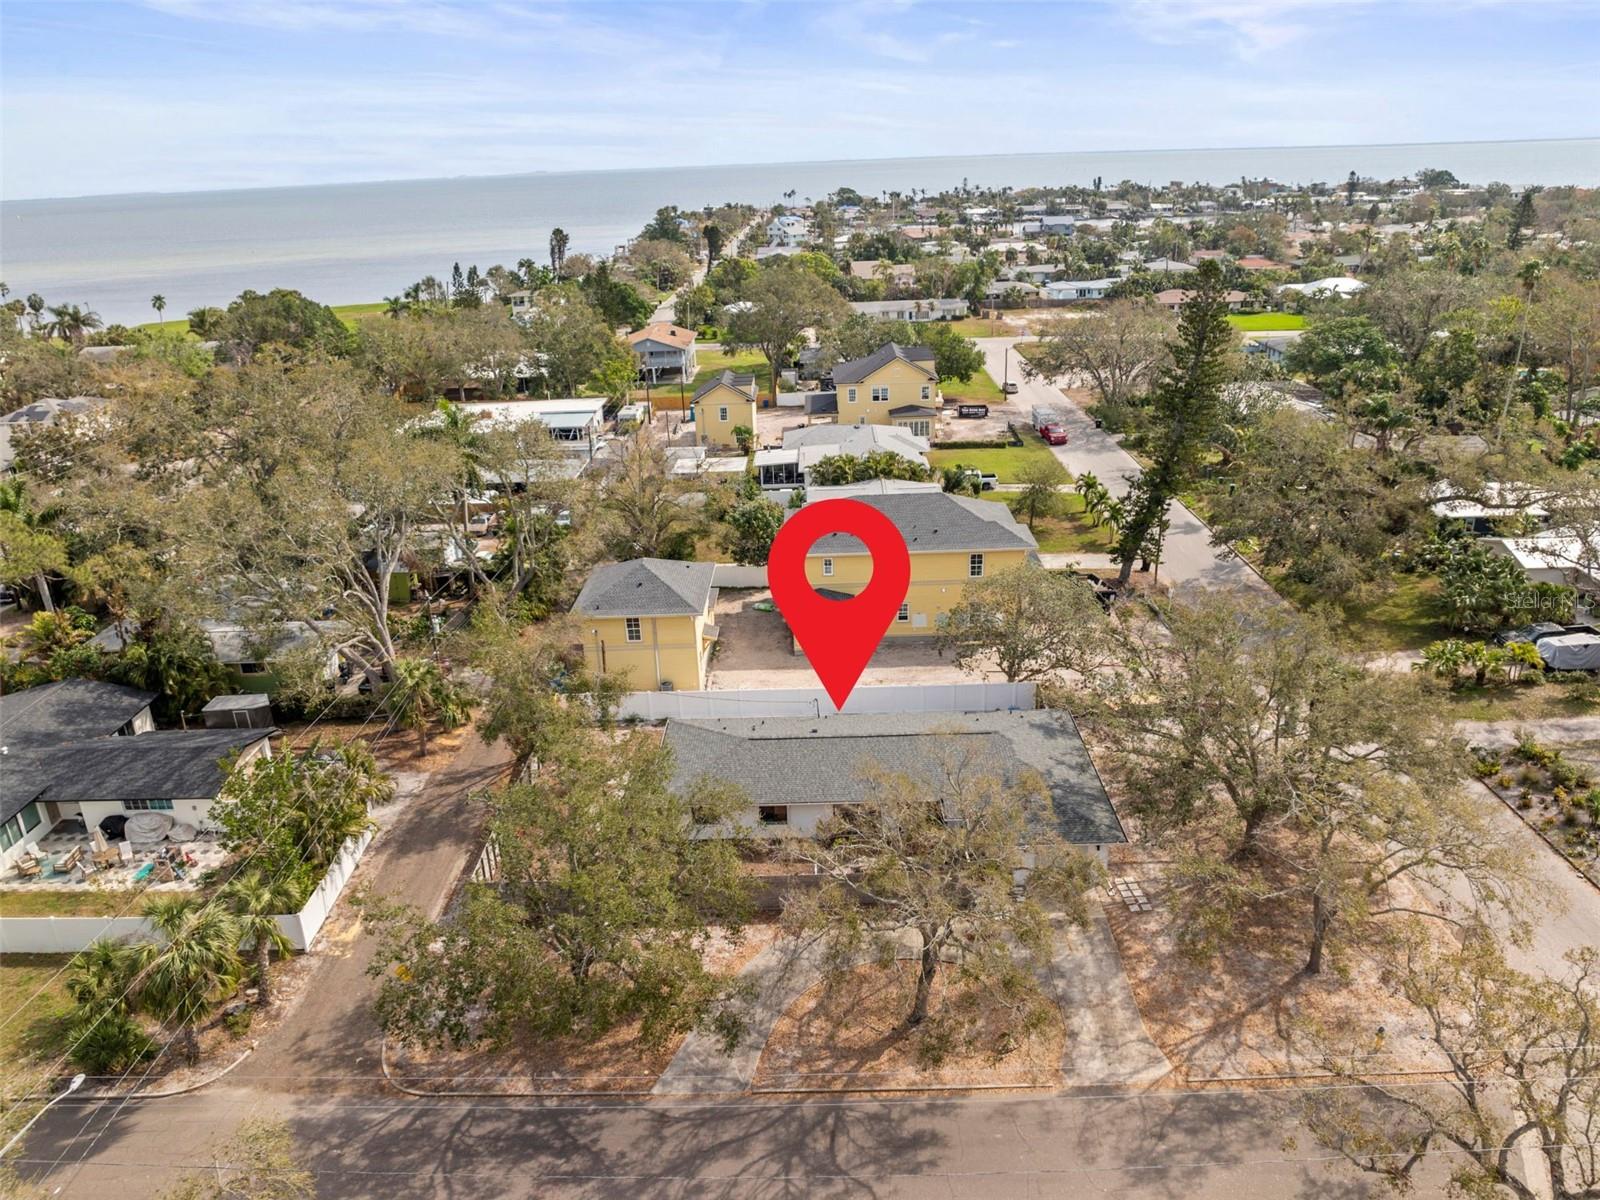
{"x": 67, "y": 935}
{"x": 814, "y": 702}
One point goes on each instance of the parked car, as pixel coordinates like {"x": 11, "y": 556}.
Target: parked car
{"x": 1009, "y": 388}
{"x": 1054, "y": 434}
{"x": 1540, "y": 630}
{"x": 972, "y": 410}
{"x": 986, "y": 480}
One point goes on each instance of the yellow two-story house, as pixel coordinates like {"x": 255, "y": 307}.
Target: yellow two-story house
{"x": 649, "y": 620}
{"x": 894, "y": 385}
{"x": 953, "y": 541}
{"x": 722, "y": 404}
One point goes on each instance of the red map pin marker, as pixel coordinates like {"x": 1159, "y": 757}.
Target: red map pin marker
{"x": 839, "y": 636}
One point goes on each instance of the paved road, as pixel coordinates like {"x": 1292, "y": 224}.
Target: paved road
{"x": 1189, "y": 560}
{"x": 667, "y": 310}
{"x": 418, "y": 860}
{"x": 1204, "y": 1146}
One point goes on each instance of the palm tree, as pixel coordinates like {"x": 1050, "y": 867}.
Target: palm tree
{"x": 182, "y": 979}
{"x": 1528, "y": 276}
{"x": 396, "y": 306}
{"x": 206, "y": 323}
{"x": 421, "y": 694}
{"x": 559, "y": 241}
{"x": 35, "y": 304}
{"x": 159, "y": 303}
{"x": 72, "y": 323}
{"x": 254, "y": 899}
{"x": 102, "y": 1032}
{"x": 99, "y": 976}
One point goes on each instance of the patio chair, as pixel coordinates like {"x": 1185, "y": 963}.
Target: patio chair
{"x": 70, "y": 859}
{"x": 125, "y": 853}
{"x": 28, "y": 866}
{"x": 109, "y": 857}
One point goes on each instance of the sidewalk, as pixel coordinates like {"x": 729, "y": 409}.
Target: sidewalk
{"x": 1106, "y": 1039}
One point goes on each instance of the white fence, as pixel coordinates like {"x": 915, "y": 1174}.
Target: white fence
{"x": 732, "y": 575}
{"x": 67, "y": 935}
{"x": 814, "y": 702}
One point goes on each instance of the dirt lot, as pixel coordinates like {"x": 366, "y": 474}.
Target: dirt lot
{"x": 620, "y": 1061}
{"x": 854, "y": 1035}
{"x": 1242, "y": 1013}
{"x": 755, "y": 651}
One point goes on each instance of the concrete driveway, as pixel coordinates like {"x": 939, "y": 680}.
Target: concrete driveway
{"x": 754, "y": 651}
{"x": 1189, "y": 561}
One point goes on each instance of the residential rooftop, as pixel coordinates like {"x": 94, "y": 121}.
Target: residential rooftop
{"x": 646, "y": 587}
{"x": 810, "y": 760}
{"x": 933, "y": 521}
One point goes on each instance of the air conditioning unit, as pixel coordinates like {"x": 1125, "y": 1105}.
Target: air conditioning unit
{"x": 666, "y": 685}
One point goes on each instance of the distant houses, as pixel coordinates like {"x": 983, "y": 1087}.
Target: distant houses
{"x": 915, "y": 312}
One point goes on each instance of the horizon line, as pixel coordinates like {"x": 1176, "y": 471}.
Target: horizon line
{"x": 814, "y": 162}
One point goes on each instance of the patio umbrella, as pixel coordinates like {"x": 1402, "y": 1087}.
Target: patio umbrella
{"x": 98, "y": 839}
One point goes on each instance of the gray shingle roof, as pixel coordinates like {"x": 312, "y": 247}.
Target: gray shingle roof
{"x": 174, "y": 765}
{"x": 739, "y": 383}
{"x": 811, "y": 760}
{"x": 646, "y": 587}
{"x": 858, "y": 369}
{"x": 931, "y": 521}
{"x": 66, "y": 711}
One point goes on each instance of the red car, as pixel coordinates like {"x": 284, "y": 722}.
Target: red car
{"x": 1054, "y": 434}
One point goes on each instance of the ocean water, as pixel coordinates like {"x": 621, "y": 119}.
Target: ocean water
{"x": 348, "y": 243}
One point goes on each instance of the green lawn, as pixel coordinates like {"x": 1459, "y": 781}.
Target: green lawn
{"x": 1026, "y": 349}
{"x": 1004, "y": 462}
{"x": 748, "y": 362}
{"x": 33, "y": 1034}
{"x": 1401, "y": 619}
{"x": 975, "y": 327}
{"x": 65, "y": 902}
{"x": 980, "y": 389}
{"x": 1266, "y": 322}
{"x": 1067, "y": 533}
{"x": 350, "y": 314}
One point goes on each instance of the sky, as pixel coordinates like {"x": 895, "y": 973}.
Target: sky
{"x": 180, "y": 95}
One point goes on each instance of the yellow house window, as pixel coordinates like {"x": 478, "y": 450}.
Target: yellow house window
{"x": 880, "y": 394}
{"x": 975, "y": 565}
{"x": 722, "y": 413}
{"x": 904, "y": 614}
{"x": 851, "y": 395}
{"x": 634, "y": 627}
{"x": 927, "y": 392}
{"x": 827, "y": 566}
